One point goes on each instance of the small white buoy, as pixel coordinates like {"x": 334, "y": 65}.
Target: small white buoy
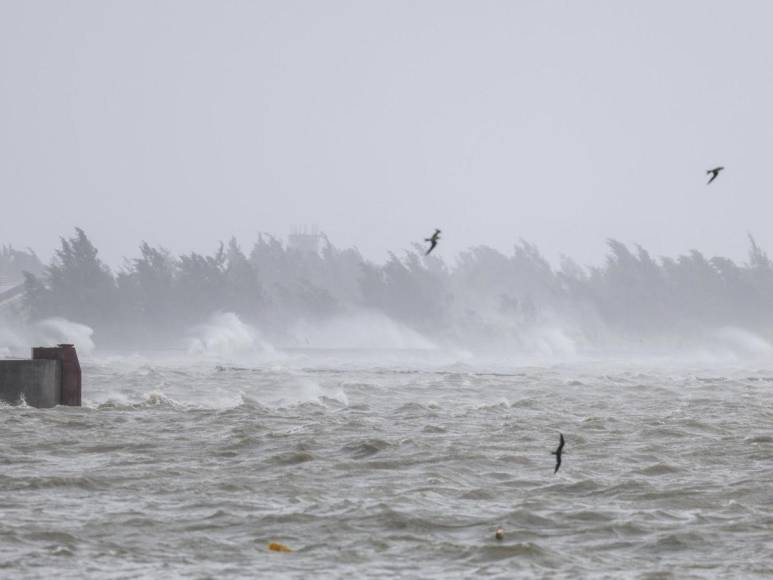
{"x": 499, "y": 534}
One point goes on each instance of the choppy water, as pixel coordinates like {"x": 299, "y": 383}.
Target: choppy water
{"x": 190, "y": 468}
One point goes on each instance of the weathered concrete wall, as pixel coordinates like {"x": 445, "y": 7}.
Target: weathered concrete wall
{"x": 71, "y": 370}
{"x": 40, "y": 381}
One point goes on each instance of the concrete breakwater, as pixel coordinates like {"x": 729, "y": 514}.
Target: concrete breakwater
{"x": 51, "y": 377}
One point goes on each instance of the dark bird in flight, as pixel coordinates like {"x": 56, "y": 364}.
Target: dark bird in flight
{"x": 557, "y": 452}
{"x": 714, "y": 172}
{"x": 433, "y": 241}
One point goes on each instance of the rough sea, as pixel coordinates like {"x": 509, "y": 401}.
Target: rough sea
{"x": 392, "y": 464}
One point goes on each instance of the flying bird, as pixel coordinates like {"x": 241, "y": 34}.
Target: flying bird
{"x": 433, "y": 241}
{"x": 557, "y": 452}
{"x": 714, "y": 172}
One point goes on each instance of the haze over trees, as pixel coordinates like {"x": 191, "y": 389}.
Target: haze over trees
{"x": 13, "y": 264}
{"x": 484, "y": 298}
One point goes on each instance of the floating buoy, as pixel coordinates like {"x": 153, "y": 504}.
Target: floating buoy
{"x": 276, "y": 547}
{"x": 499, "y": 534}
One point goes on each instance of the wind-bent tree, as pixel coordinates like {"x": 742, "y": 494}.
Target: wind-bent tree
{"x": 76, "y": 285}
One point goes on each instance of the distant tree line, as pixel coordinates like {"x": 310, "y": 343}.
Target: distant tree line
{"x": 485, "y": 296}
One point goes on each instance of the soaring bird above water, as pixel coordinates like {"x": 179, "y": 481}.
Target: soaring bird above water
{"x": 714, "y": 172}
{"x": 433, "y": 241}
{"x": 557, "y": 452}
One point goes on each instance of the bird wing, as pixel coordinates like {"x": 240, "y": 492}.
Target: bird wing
{"x": 432, "y": 247}
{"x": 713, "y": 177}
{"x": 561, "y": 441}
{"x": 558, "y": 463}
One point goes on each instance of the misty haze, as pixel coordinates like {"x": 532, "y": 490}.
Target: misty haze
{"x": 306, "y": 293}
{"x": 434, "y": 289}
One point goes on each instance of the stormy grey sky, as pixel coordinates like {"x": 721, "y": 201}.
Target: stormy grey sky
{"x": 564, "y": 123}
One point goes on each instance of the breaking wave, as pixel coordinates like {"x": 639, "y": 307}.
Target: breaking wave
{"x": 16, "y": 339}
{"x": 226, "y": 336}
{"x": 364, "y": 329}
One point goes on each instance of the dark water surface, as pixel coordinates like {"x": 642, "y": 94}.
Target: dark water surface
{"x": 190, "y": 468}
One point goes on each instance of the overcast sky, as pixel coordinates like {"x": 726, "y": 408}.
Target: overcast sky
{"x": 563, "y": 123}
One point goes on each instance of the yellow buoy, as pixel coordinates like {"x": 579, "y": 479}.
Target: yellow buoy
{"x": 276, "y": 547}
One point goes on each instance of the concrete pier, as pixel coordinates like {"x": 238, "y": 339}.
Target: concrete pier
{"x": 52, "y": 377}
{"x": 37, "y": 381}
{"x": 71, "y": 370}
